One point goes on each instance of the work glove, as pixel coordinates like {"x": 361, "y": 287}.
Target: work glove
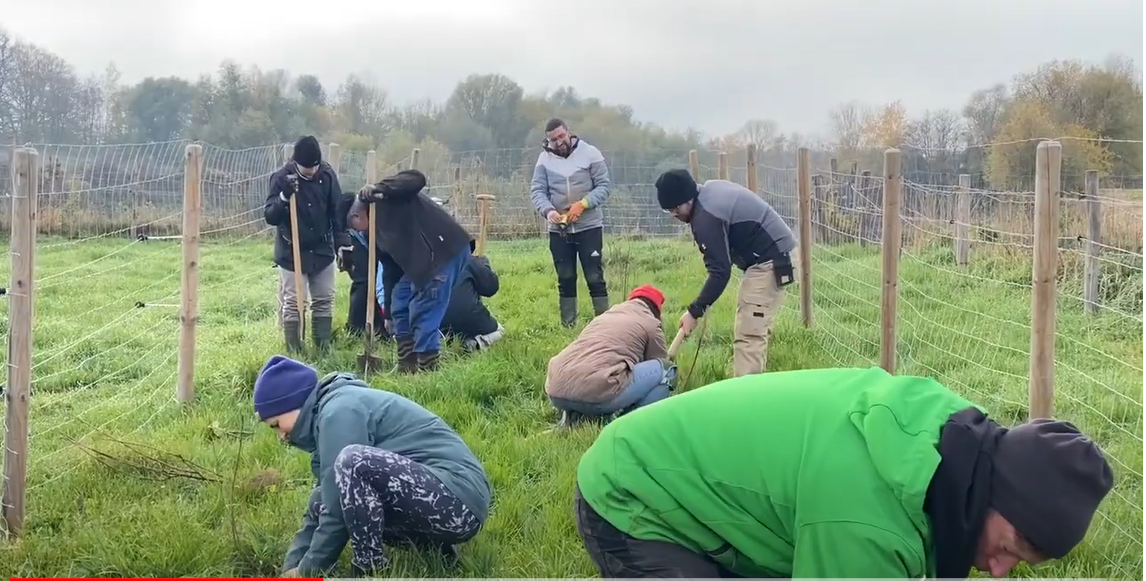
{"x": 576, "y": 209}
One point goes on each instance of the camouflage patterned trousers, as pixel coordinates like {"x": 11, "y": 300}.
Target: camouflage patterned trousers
{"x": 387, "y": 497}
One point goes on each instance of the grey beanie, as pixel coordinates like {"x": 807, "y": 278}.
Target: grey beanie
{"x": 1048, "y": 481}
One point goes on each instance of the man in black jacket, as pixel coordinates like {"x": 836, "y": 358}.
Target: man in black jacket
{"x": 466, "y": 317}
{"x": 322, "y": 232}
{"x": 423, "y": 251}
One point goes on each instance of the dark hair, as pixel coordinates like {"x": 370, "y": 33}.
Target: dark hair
{"x": 554, "y": 123}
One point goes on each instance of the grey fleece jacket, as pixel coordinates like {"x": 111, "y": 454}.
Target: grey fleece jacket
{"x": 344, "y": 410}
{"x": 558, "y": 182}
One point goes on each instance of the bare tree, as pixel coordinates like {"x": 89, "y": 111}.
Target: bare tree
{"x": 847, "y": 126}
{"x": 761, "y": 132}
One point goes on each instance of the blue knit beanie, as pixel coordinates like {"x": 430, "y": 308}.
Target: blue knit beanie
{"x": 283, "y": 386}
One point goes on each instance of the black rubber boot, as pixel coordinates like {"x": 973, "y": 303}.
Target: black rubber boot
{"x": 321, "y": 332}
{"x": 427, "y": 361}
{"x": 407, "y": 359}
{"x": 568, "y": 311}
{"x": 290, "y": 334}
{"x": 600, "y": 305}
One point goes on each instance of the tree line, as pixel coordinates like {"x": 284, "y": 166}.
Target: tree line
{"x": 43, "y": 99}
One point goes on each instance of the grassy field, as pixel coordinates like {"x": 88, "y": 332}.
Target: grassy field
{"x": 124, "y": 482}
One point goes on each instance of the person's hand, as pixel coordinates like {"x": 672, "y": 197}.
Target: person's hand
{"x": 343, "y": 257}
{"x": 553, "y": 216}
{"x": 575, "y": 210}
{"x": 687, "y": 323}
{"x": 290, "y": 572}
{"x": 291, "y": 187}
{"x": 368, "y": 194}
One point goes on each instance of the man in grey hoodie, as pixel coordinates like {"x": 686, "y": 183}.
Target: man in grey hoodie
{"x": 570, "y": 183}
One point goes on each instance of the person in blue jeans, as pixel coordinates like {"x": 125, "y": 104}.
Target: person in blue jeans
{"x": 617, "y": 364}
{"x": 423, "y": 251}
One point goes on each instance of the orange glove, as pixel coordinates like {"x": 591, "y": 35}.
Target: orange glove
{"x": 576, "y": 209}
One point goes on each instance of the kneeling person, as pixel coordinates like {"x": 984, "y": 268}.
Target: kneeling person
{"x": 387, "y": 469}
{"x": 617, "y": 364}
{"x": 832, "y": 473}
{"x": 466, "y": 317}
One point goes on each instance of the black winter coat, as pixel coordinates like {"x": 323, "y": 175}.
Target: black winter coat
{"x": 417, "y": 235}
{"x": 322, "y": 228}
{"x": 466, "y": 315}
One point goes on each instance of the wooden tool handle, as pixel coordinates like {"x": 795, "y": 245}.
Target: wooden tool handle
{"x": 676, "y": 343}
{"x": 296, "y": 255}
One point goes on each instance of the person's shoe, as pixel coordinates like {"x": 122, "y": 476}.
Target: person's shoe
{"x": 568, "y": 311}
{"x": 322, "y": 331}
{"x": 290, "y": 334}
{"x": 570, "y": 419}
{"x": 427, "y": 361}
{"x": 407, "y": 359}
{"x": 600, "y": 305}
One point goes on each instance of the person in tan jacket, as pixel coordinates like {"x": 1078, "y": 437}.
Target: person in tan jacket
{"x": 617, "y": 364}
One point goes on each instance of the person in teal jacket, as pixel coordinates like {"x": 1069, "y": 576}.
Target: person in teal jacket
{"x": 832, "y": 473}
{"x": 387, "y": 469}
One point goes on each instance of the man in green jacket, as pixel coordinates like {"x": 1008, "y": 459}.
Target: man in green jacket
{"x": 387, "y": 469}
{"x": 832, "y": 473}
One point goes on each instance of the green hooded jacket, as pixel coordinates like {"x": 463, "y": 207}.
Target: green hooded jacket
{"x": 343, "y": 411}
{"x": 809, "y": 473}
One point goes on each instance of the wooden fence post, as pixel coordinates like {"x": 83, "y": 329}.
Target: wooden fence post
{"x": 484, "y": 201}
{"x": 804, "y": 190}
{"x": 962, "y": 215}
{"x": 1048, "y": 185}
{"x": 414, "y": 155}
{"x": 892, "y": 239}
{"x": 21, "y": 313}
{"x": 189, "y": 309}
{"x": 750, "y": 178}
{"x": 694, "y": 166}
{"x": 334, "y": 157}
{"x": 722, "y": 166}
{"x": 1093, "y": 265}
{"x": 818, "y": 189}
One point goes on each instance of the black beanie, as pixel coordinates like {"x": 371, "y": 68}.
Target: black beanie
{"x": 674, "y": 188}
{"x": 307, "y": 152}
{"x": 1048, "y": 481}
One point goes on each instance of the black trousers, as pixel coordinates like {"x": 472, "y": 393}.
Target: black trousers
{"x": 618, "y": 555}
{"x": 588, "y": 246}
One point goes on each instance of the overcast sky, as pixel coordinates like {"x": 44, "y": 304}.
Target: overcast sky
{"x": 710, "y": 64}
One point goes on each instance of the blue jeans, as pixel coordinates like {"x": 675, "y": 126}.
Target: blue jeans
{"x": 651, "y": 382}
{"x": 419, "y": 311}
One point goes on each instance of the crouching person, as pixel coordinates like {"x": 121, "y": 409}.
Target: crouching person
{"x": 424, "y": 251}
{"x": 832, "y": 473}
{"x": 388, "y": 470}
{"x": 357, "y": 265}
{"x": 617, "y": 364}
{"x": 466, "y": 317}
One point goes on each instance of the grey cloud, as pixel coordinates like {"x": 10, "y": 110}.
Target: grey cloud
{"x": 711, "y": 64}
